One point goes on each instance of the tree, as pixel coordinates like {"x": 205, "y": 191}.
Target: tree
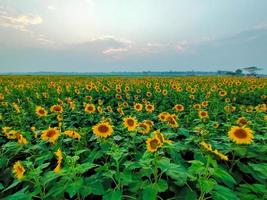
{"x": 238, "y": 72}
{"x": 252, "y": 70}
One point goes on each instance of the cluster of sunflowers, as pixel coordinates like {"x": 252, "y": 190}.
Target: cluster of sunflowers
{"x": 63, "y": 130}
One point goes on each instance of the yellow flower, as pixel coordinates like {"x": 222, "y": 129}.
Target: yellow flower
{"x": 153, "y": 144}
{"x": 215, "y": 125}
{"x": 56, "y": 109}
{"x": 18, "y": 170}
{"x": 12, "y": 135}
{"x": 178, "y": 107}
{"x": 58, "y": 153}
{"x": 163, "y": 116}
{"x": 241, "y": 121}
{"x": 103, "y": 129}
{"x": 203, "y": 114}
{"x": 72, "y": 134}
{"x": 130, "y": 123}
{"x": 21, "y": 139}
{"x": 50, "y": 135}
{"x": 138, "y": 107}
{"x": 241, "y": 135}
{"x": 206, "y": 146}
{"x": 221, "y": 155}
{"x": 171, "y": 119}
{"x": 143, "y": 128}
{"x": 222, "y": 93}
{"x": 149, "y": 107}
{"x": 6, "y": 129}
{"x": 89, "y": 108}
{"x": 40, "y": 111}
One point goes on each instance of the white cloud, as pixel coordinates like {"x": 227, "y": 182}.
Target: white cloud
{"x": 114, "y": 50}
{"x": 20, "y": 22}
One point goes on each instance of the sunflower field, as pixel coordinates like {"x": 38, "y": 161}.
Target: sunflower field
{"x": 148, "y": 138}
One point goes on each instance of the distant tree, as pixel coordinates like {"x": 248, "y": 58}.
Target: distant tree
{"x": 252, "y": 70}
{"x": 238, "y": 72}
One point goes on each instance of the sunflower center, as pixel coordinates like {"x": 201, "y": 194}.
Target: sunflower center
{"x": 203, "y": 114}
{"x": 41, "y": 111}
{"x": 240, "y": 133}
{"x": 144, "y": 126}
{"x": 57, "y": 108}
{"x": 130, "y": 122}
{"x": 51, "y": 133}
{"x": 243, "y": 121}
{"x": 19, "y": 169}
{"x": 154, "y": 143}
{"x": 90, "y": 108}
{"x": 103, "y": 128}
{"x": 170, "y": 120}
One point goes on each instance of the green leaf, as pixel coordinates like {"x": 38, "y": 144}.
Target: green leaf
{"x": 20, "y": 195}
{"x": 206, "y": 185}
{"x": 224, "y": 176}
{"x": 162, "y": 185}
{"x": 150, "y": 193}
{"x": 1, "y": 186}
{"x": 261, "y": 168}
{"x": 15, "y": 183}
{"x": 115, "y": 195}
{"x": 84, "y": 167}
{"x": 223, "y": 193}
{"x": 74, "y": 187}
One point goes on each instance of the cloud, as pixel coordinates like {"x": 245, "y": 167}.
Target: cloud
{"x": 114, "y": 50}
{"x": 17, "y": 21}
{"x": 17, "y": 28}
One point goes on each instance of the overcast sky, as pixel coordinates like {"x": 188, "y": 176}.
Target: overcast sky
{"x": 132, "y": 35}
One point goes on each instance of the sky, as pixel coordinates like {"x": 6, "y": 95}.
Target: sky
{"x": 132, "y": 35}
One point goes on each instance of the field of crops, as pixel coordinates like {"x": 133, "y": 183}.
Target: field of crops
{"x": 133, "y": 138}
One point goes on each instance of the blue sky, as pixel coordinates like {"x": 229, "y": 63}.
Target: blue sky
{"x": 132, "y": 35}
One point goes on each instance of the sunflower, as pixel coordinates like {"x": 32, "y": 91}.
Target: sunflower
{"x": 143, "y": 128}
{"x": 2, "y": 97}
{"x": 242, "y": 121}
{"x": 89, "y": 108}
{"x": 56, "y": 109}
{"x": 109, "y": 109}
{"x": 149, "y": 107}
{"x": 163, "y": 116}
{"x": 221, "y": 155}
{"x": 130, "y": 123}
{"x": 12, "y": 134}
{"x": 178, "y": 107}
{"x": 203, "y": 114}
{"x": 58, "y": 153}
{"x": 215, "y": 125}
{"x": 152, "y": 144}
{"x": 206, "y": 146}
{"x": 138, "y": 107}
{"x": 149, "y": 122}
{"x": 197, "y": 106}
{"x": 171, "y": 119}
{"x": 21, "y": 139}
{"x": 241, "y": 135}
{"x": 205, "y": 103}
{"x": 40, "y": 111}
{"x": 50, "y": 135}
{"x": 72, "y": 134}
{"x": 103, "y": 129}
{"x": 18, "y": 170}
{"x": 222, "y": 93}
